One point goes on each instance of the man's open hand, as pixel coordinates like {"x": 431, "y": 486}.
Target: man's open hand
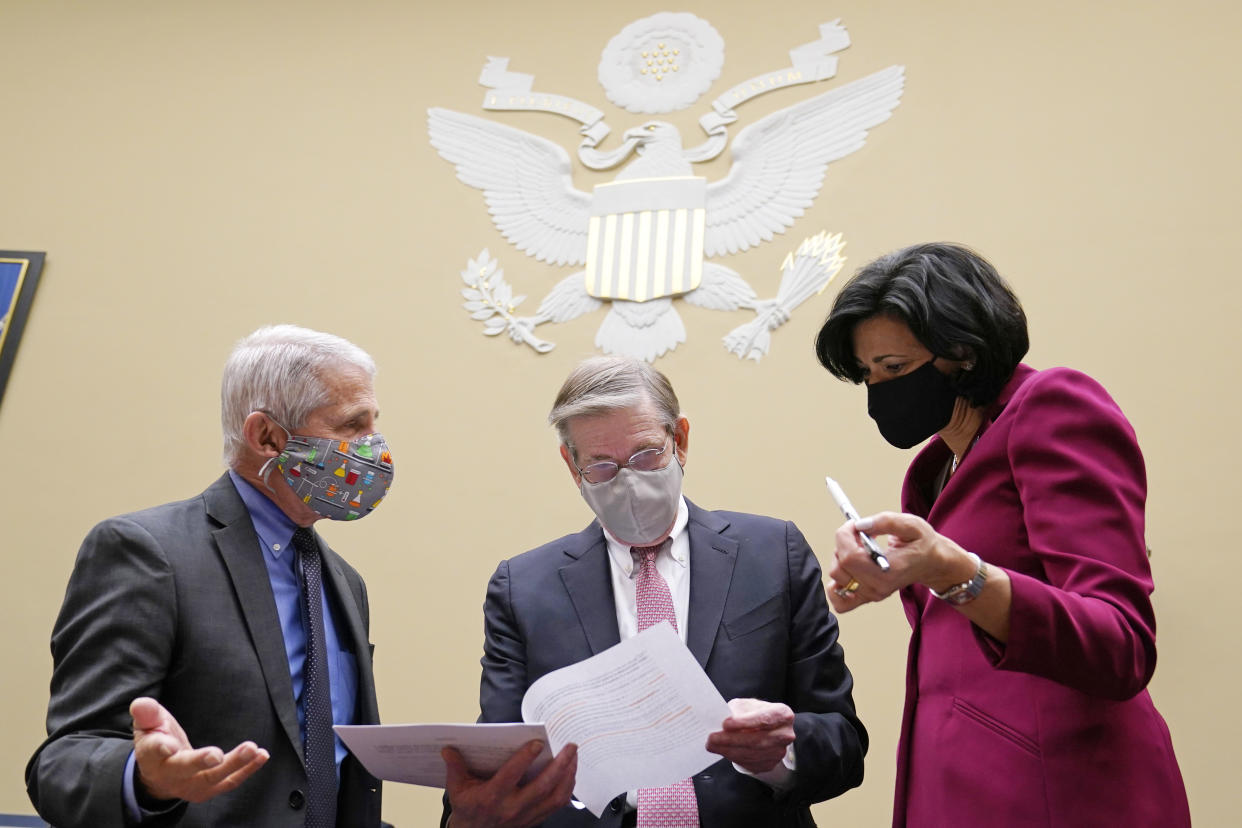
{"x": 169, "y": 767}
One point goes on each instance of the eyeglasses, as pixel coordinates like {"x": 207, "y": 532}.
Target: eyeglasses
{"x": 646, "y": 460}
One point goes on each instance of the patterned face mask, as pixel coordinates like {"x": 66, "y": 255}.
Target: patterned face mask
{"x": 337, "y": 479}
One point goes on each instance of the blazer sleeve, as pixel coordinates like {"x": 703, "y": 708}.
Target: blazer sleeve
{"x": 1082, "y": 484}
{"x": 830, "y": 741}
{"x": 503, "y": 683}
{"x": 111, "y": 643}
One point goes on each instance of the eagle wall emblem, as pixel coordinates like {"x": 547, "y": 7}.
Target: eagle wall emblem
{"x": 647, "y": 238}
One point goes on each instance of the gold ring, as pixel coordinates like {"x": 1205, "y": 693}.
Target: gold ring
{"x": 849, "y": 589}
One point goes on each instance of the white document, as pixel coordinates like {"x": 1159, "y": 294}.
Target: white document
{"x": 640, "y": 713}
{"x": 411, "y": 752}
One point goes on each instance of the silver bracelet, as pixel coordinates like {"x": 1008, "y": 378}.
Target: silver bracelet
{"x": 969, "y": 591}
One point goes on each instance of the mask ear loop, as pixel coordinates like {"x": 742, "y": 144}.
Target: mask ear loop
{"x": 963, "y": 374}
{"x": 265, "y": 471}
{"x": 265, "y": 474}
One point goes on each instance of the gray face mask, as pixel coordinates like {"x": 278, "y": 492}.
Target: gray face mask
{"x": 637, "y": 507}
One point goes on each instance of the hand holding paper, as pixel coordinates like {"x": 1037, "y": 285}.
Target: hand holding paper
{"x": 640, "y": 714}
{"x": 502, "y": 801}
{"x": 756, "y": 735}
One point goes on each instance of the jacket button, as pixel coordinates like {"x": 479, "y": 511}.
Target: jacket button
{"x": 706, "y": 777}
{"x": 615, "y": 805}
{"x": 296, "y": 800}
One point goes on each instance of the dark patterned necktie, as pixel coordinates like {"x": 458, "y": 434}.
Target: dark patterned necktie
{"x": 673, "y": 806}
{"x": 319, "y": 749}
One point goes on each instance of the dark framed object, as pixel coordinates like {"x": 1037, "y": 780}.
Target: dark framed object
{"x": 19, "y": 276}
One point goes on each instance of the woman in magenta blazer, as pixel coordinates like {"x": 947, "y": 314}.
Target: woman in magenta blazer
{"x": 1019, "y": 556}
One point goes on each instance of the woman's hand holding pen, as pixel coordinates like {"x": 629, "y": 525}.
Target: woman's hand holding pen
{"x": 916, "y": 554}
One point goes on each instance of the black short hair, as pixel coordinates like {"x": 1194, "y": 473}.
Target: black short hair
{"x": 953, "y": 301}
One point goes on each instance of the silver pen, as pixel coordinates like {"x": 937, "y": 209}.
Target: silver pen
{"x": 851, "y": 513}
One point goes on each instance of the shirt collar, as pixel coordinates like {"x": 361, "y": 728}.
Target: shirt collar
{"x": 624, "y": 559}
{"x": 272, "y": 525}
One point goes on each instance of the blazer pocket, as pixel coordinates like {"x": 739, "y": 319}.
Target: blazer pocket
{"x": 996, "y": 726}
{"x": 759, "y": 616}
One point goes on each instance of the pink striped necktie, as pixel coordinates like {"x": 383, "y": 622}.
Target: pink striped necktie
{"x": 673, "y": 806}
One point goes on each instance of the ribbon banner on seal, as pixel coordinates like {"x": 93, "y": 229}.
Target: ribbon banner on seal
{"x": 808, "y": 63}
{"x": 513, "y": 92}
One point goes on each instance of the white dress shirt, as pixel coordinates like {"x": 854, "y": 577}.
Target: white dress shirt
{"x": 673, "y": 564}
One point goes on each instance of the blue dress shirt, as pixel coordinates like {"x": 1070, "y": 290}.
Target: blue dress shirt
{"x": 275, "y": 532}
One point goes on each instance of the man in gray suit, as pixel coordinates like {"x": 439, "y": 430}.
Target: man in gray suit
{"x": 744, "y": 592}
{"x": 186, "y": 624}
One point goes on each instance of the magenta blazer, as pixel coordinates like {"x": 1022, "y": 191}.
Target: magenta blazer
{"x": 1055, "y": 728}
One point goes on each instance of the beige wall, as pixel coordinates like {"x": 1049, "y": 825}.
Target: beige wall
{"x": 195, "y": 170}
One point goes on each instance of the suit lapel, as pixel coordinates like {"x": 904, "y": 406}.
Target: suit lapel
{"x": 239, "y": 547}
{"x": 588, "y": 581}
{"x": 712, "y": 557}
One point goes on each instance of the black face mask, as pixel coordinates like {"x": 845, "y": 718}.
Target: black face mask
{"x": 912, "y": 407}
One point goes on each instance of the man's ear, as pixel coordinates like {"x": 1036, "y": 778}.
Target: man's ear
{"x": 681, "y": 439}
{"x": 569, "y": 461}
{"x": 262, "y": 435}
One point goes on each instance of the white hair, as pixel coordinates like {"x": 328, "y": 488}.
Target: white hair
{"x": 603, "y": 384}
{"x": 279, "y": 370}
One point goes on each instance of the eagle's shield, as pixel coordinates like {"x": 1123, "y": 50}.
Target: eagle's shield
{"x": 646, "y": 238}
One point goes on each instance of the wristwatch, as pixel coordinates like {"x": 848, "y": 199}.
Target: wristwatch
{"x": 969, "y": 591}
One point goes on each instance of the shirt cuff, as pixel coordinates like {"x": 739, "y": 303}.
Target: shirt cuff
{"x": 781, "y": 777}
{"x": 129, "y": 795}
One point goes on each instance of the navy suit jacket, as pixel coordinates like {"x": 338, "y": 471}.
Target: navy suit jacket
{"x": 175, "y": 603}
{"x": 758, "y": 624}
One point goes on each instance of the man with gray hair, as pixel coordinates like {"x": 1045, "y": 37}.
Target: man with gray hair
{"x": 743, "y": 591}
{"x": 225, "y": 622}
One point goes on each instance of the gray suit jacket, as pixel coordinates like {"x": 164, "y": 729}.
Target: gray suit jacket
{"x": 758, "y": 624}
{"x": 175, "y": 603}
